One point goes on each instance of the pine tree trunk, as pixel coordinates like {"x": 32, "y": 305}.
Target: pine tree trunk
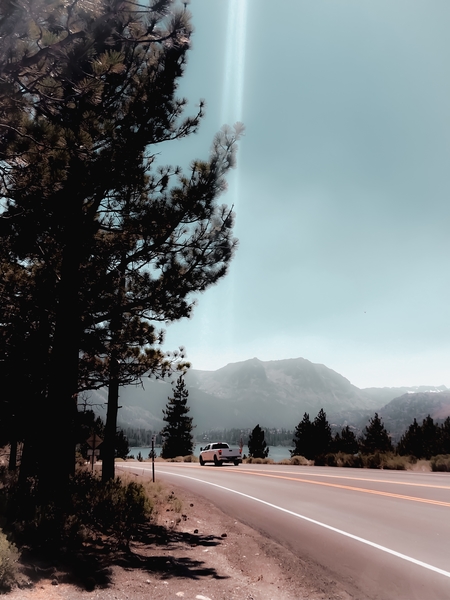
{"x": 55, "y": 445}
{"x": 108, "y": 446}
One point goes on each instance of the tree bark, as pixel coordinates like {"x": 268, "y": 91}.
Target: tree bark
{"x": 108, "y": 446}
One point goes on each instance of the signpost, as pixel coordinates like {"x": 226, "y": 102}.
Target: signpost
{"x": 94, "y": 442}
{"x": 153, "y": 458}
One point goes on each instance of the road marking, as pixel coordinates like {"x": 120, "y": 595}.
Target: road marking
{"x": 347, "y": 487}
{"x": 320, "y": 524}
{"x": 394, "y": 482}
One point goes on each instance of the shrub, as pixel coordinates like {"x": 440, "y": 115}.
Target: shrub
{"x": 8, "y": 563}
{"x": 115, "y": 509}
{"x": 372, "y": 461}
{"x": 441, "y": 462}
{"x": 190, "y": 458}
{"x": 253, "y": 461}
{"x": 396, "y": 462}
{"x": 353, "y": 461}
{"x": 299, "y": 460}
{"x": 328, "y": 460}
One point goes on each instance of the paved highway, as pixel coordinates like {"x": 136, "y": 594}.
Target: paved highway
{"x": 383, "y": 534}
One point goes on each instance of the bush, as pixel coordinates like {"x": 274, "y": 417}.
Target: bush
{"x": 257, "y": 461}
{"x": 190, "y": 458}
{"x": 115, "y": 509}
{"x": 8, "y": 559}
{"x": 372, "y": 461}
{"x": 396, "y": 462}
{"x": 328, "y": 460}
{"x": 298, "y": 460}
{"x": 353, "y": 461}
{"x": 441, "y": 462}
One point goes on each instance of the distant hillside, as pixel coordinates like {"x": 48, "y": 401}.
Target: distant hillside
{"x": 276, "y": 393}
{"x": 271, "y": 393}
{"x": 382, "y": 396}
{"x": 401, "y": 412}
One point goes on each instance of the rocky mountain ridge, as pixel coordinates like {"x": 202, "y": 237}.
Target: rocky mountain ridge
{"x": 272, "y": 393}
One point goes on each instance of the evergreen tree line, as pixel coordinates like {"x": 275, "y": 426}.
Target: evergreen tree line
{"x": 235, "y": 436}
{"x": 103, "y": 239}
{"x": 314, "y": 439}
{"x": 138, "y": 437}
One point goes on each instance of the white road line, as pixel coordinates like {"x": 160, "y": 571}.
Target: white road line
{"x": 324, "y": 525}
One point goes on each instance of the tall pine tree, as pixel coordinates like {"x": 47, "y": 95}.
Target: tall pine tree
{"x": 375, "y": 438}
{"x": 257, "y": 447}
{"x": 177, "y": 434}
{"x": 88, "y": 93}
{"x": 304, "y": 438}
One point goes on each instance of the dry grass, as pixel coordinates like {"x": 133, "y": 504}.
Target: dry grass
{"x": 9, "y": 556}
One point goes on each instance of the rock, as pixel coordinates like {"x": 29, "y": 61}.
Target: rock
{"x": 224, "y": 535}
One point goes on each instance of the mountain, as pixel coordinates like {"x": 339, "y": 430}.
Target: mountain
{"x": 241, "y": 395}
{"x": 277, "y": 393}
{"x": 400, "y": 412}
{"x": 384, "y": 395}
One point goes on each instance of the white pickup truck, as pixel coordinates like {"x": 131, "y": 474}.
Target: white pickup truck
{"x": 219, "y": 453}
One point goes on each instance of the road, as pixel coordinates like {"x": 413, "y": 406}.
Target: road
{"x": 383, "y": 534}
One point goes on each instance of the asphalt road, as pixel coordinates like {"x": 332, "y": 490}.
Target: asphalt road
{"x": 383, "y": 534}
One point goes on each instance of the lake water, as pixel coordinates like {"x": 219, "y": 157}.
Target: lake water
{"x": 276, "y": 453}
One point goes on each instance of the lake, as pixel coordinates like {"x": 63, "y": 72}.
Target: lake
{"x": 276, "y": 453}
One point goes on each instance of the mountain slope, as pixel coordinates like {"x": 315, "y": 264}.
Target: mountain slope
{"x": 240, "y": 395}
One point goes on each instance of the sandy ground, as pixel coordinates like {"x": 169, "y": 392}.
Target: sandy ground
{"x": 198, "y": 554}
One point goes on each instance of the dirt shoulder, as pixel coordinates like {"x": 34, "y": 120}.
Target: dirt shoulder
{"x": 197, "y": 554}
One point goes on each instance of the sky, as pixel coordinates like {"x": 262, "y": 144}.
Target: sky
{"x": 342, "y": 187}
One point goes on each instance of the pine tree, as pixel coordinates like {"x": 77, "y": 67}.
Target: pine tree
{"x": 375, "y": 437}
{"x": 411, "y": 441}
{"x": 431, "y": 437}
{"x": 177, "y": 434}
{"x": 322, "y": 437}
{"x": 348, "y": 442}
{"x": 445, "y": 436}
{"x": 87, "y": 95}
{"x": 304, "y": 439}
{"x": 257, "y": 447}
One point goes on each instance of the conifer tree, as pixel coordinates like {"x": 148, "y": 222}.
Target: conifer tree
{"x": 87, "y": 95}
{"x": 445, "y": 436}
{"x": 177, "y": 434}
{"x": 322, "y": 438}
{"x": 431, "y": 437}
{"x": 411, "y": 441}
{"x": 304, "y": 439}
{"x": 346, "y": 441}
{"x": 375, "y": 437}
{"x": 257, "y": 447}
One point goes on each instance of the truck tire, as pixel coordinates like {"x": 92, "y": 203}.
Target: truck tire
{"x": 201, "y": 461}
{"x": 236, "y": 462}
{"x": 217, "y": 462}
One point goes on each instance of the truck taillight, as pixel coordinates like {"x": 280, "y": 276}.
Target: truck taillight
{"x": 220, "y": 451}
{"x": 240, "y": 450}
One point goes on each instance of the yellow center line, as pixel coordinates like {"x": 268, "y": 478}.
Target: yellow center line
{"x": 427, "y": 485}
{"x": 347, "y": 487}
{"x": 413, "y": 483}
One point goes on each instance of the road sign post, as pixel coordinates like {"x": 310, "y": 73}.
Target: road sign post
{"x": 153, "y": 458}
{"x": 94, "y": 442}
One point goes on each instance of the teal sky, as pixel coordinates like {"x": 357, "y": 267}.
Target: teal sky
{"x": 342, "y": 190}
